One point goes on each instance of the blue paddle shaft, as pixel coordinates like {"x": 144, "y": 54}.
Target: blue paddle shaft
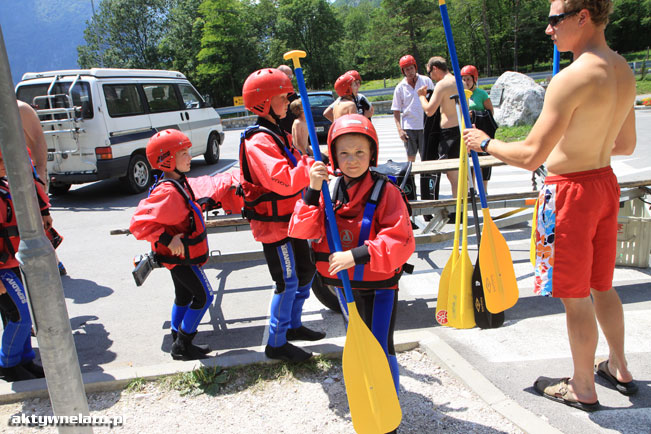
{"x": 330, "y": 214}
{"x": 557, "y": 61}
{"x": 464, "y": 104}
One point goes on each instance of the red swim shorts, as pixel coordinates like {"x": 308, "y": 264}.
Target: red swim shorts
{"x": 576, "y": 233}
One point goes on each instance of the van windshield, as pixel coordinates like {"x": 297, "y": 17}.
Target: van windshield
{"x": 36, "y": 95}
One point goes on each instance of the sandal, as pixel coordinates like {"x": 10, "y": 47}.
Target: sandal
{"x": 557, "y": 390}
{"x": 627, "y": 389}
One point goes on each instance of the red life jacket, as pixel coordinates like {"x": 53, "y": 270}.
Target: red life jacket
{"x": 353, "y": 231}
{"x": 257, "y": 197}
{"x": 9, "y": 237}
{"x": 196, "y": 243}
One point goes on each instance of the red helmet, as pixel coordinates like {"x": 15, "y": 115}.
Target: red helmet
{"x": 261, "y": 86}
{"x": 406, "y": 61}
{"x": 472, "y": 71}
{"x": 355, "y": 74}
{"x": 163, "y": 146}
{"x": 343, "y": 85}
{"x": 352, "y": 123}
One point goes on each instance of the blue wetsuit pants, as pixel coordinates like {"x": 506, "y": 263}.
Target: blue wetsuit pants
{"x": 16, "y": 347}
{"x": 292, "y": 269}
{"x": 377, "y": 307}
{"x": 193, "y": 297}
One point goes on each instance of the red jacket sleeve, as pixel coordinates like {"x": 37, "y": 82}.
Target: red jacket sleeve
{"x": 308, "y": 221}
{"x": 220, "y": 188}
{"x": 269, "y": 168}
{"x": 165, "y": 210}
{"x": 394, "y": 241}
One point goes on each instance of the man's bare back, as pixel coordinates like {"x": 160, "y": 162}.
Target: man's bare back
{"x": 596, "y": 94}
{"x": 444, "y": 89}
{"x": 344, "y": 107}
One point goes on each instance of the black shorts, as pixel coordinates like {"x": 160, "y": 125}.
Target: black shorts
{"x": 449, "y": 143}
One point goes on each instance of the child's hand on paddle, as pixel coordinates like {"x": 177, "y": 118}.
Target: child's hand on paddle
{"x": 340, "y": 261}
{"x": 318, "y": 174}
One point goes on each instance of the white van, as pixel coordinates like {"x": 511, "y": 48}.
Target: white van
{"x": 97, "y": 121}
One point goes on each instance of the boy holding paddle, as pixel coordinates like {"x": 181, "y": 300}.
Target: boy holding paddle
{"x": 579, "y": 203}
{"x": 373, "y": 223}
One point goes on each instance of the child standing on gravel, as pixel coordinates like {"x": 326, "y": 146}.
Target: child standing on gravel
{"x": 171, "y": 219}
{"x": 373, "y": 222}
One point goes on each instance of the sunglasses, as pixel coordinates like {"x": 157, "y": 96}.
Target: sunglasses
{"x": 554, "y": 20}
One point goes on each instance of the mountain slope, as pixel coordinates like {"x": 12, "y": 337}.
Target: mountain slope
{"x": 42, "y": 35}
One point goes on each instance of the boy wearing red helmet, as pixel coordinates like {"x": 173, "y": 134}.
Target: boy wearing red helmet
{"x": 171, "y": 219}
{"x": 273, "y": 175}
{"x": 373, "y": 223}
{"x": 345, "y": 86}
{"x": 16, "y": 353}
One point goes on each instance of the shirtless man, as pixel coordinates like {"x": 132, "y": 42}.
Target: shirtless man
{"x": 450, "y": 139}
{"x": 346, "y": 87}
{"x": 34, "y": 138}
{"x": 576, "y": 138}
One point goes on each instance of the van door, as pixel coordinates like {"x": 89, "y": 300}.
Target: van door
{"x": 201, "y": 118}
{"x": 128, "y": 124}
{"x": 165, "y": 109}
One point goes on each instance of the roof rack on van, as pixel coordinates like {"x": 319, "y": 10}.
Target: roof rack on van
{"x": 60, "y": 120}
{"x": 105, "y": 73}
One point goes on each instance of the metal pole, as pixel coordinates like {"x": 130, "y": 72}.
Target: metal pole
{"x": 39, "y": 266}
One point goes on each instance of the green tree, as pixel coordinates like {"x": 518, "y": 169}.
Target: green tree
{"x": 181, "y": 42}
{"x": 311, "y": 26}
{"x": 125, "y": 34}
{"x": 228, "y": 48}
{"x": 630, "y": 21}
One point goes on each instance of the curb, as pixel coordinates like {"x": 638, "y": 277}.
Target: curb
{"x": 524, "y": 419}
{"x": 116, "y": 379}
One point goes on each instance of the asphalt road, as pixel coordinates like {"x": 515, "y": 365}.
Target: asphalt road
{"x": 117, "y": 324}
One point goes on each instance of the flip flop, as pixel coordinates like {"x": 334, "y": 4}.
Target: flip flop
{"x": 557, "y": 390}
{"x": 627, "y": 389}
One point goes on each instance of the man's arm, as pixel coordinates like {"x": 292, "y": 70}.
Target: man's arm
{"x": 627, "y": 137}
{"x": 34, "y": 138}
{"x": 561, "y": 99}
{"x": 434, "y": 102}
{"x": 328, "y": 112}
{"x": 401, "y": 132}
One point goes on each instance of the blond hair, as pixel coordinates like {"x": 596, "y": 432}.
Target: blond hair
{"x": 296, "y": 107}
{"x": 599, "y": 9}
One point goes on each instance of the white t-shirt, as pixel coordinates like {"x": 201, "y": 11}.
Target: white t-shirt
{"x": 405, "y": 100}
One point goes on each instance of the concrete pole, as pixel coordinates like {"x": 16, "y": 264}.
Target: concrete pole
{"x": 39, "y": 266}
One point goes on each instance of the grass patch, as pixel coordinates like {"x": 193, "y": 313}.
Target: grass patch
{"x": 513, "y": 134}
{"x": 211, "y": 381}
{"x": 379, "y": 84}
{"x": 643, "y": 86}
{"x": 136, "y": 385}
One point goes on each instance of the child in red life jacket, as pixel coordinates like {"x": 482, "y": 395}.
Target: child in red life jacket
{"x": 273, "y": 176}
{"x": 16, "y": 354}
{"x": 373, "y": 223}
{"x": 171, "y": 219}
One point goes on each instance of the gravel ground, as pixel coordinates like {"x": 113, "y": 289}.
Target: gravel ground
{"x": 255, "y": 399}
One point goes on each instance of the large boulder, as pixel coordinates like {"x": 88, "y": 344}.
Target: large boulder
{"x": 517, "y": 99}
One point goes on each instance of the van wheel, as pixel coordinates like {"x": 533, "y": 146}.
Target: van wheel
{"x": 325, "y": 294}
{"x": 58, "y": 188}
{"x": 212, "y": 150}
{"x": 138, "y": 176}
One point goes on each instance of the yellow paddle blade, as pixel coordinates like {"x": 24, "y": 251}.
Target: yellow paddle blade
{"x": 444, "y": 288}
{"x": 461, "y": 314}
{"x": 497, "y": 273}
{"x": 372, "y": 397}
{"x": 532, "y": 247}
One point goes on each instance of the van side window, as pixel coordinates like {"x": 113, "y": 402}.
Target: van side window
{"x": 161, "y": 97}
{"x": 123, "y": 100}
{"x": 191, "y": 98}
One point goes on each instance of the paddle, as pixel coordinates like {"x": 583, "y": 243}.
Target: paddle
{"x": 444, "y": 282}
{"x": 372, "y": 397}
{"x": 460, "y": 311}
{"x": 498, "y": 275}
{"x": 483, "y": 317}
{"x": 534, "y": 222}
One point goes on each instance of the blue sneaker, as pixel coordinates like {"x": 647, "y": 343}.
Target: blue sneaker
{"x": 62, "y": 269}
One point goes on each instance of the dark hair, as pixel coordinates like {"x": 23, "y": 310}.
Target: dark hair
{"x": 438, "y": 62}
